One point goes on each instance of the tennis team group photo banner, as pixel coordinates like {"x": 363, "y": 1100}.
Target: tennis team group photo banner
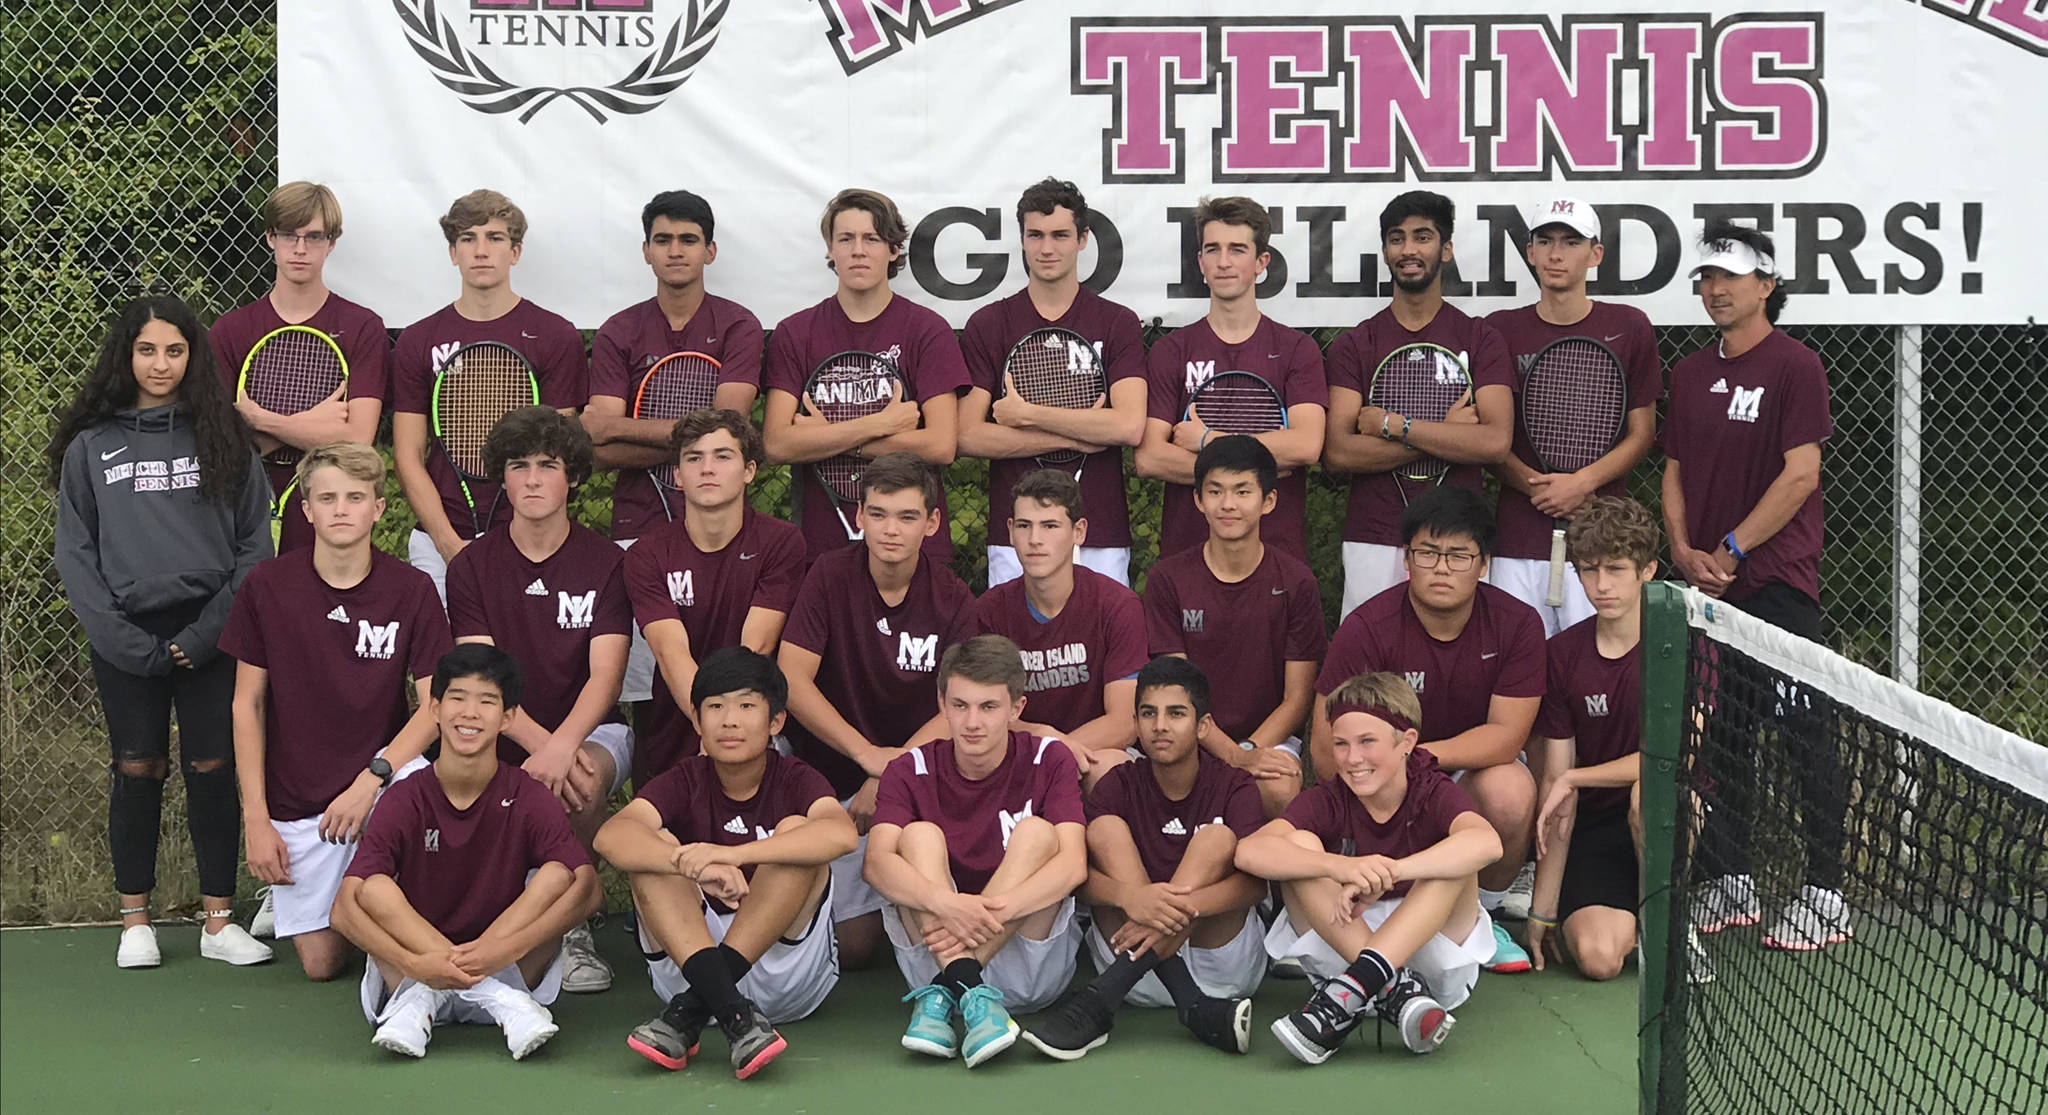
{"x": 1894, "y": 148}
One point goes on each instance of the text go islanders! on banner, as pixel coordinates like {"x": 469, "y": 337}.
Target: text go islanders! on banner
{"x": 1895, "y": 148}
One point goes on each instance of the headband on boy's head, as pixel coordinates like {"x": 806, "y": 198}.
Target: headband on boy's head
{"x": 1400, "y": 723}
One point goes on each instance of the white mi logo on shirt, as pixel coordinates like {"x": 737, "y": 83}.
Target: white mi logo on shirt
{"x": 339, "y": 614}
{"x": 574, "y": 611}
{"x": 1191, "y": 620}
{"x": 433, "y": 840}
{"x": 1199, "y": 372}
{"x": 682, "y": 590}
{"x": 536, "y": 588}
{"x": 1416, "y": 678}
{"x": 919, "y": 654}
{"x": 1745, "y": 403}
{"x": 1596, "y": 704}
{"x": 736, "y": 826}
{"x": 1173, "y": 827}
{"x": 376, "y": 640}
{"x": 1010, "y": 820}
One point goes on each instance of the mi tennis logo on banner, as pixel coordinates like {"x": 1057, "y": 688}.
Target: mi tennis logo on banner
{"x": 556, "y": 37}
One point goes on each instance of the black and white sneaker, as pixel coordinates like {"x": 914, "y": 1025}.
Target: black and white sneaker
{"x": 1407, "y": 1006}
{"x": 1224, "y": 1024}
{"x": 1319, "y": 1028}
{"x": 1068, "y": 1029}
{"x": 752, "y": 1038}
{"x": 670, "y": 1040}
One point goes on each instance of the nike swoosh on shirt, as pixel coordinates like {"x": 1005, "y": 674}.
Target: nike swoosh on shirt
{"x": 1616, "y": 337}
{"x": 507, "y": 803}
{"x": 529, "y": 336}
{"x": 1484, "y": 657}
{"x": 113, "y": 453}
{"x": 749, "y": 557}
{"x": 1279, "y": 592}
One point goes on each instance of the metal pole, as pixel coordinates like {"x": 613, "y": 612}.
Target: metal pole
{"x": 1906, "y": 481}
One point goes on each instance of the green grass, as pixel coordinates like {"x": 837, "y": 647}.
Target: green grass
{"x": 79, "y": 1035}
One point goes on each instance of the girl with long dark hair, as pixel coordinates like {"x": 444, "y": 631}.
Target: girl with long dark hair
{"x": 162, "y": 510}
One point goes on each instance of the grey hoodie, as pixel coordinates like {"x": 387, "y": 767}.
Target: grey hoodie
{"x": 134, "y": 536}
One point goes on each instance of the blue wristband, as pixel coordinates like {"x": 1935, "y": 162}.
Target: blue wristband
{"x": 1728, "y": 540}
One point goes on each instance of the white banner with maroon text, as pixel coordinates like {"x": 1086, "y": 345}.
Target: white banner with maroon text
{"x": 1895, "y": 148}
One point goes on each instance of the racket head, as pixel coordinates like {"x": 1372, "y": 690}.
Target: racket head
{"x": 845, "y": 386}
{"x": 677, "y": 384}
{"x": 1054, "y": 367}
{"x": 1421, "y": 381}
{"x": 478, "y": 384}
{"x": 1573, "y": 404}
{"x": 291, "y": 370}
{"x": 1238, "y": 403}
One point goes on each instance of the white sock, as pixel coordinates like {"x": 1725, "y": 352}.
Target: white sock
{"x": 1490, "y": 900}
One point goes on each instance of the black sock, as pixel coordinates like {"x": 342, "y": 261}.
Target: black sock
{"x": 710, "y": 978}
{"x": 1371, "y": 973}
{"x": 1123, "y": 973}
{"x": 736, "y": 962}
{"x": 960, "y": 975}
{"x": 1180, "y": 983}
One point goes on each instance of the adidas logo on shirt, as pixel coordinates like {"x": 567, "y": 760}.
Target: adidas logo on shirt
{"x": 1173, "y": 827}
{"x": 339, "y": 614}
{"x": 882, "y": 625}
{"x": 736, "y": 826}
{"x": 1720, "y": 387}
{"x": 536, "y": 588}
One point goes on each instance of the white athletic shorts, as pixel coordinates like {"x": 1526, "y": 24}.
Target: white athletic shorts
{"x": 1113, "y": 562}
{"x": 1369, "y": 569}
{"x": 852, "y": 897}
{"x": 1450, "y": 968}
{"x": 1029, "y": 973}
{"x": 789, "y": 981}
{"x": 317, "y": 868}
{"x": 1230, "y": 972}
{"x": 455, "y": 1008}
{"x": 616, "y": 740}
{"x": 1529, "y": 582}
{"x": 639, "y": 661}
{"x": 424, "y": 557}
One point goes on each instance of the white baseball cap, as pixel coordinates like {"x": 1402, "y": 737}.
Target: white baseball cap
{"x": 1734, "y": 257}
{"x": 1570, "y": 212}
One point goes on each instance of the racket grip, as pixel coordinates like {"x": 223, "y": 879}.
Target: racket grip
{"x": 1555, "y": 596}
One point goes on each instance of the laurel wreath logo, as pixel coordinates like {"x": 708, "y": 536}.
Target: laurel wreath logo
{"x": 690, "y": 38}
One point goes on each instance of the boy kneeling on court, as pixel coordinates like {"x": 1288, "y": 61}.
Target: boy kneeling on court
{"x": 466, "y": 878}
{"x": 977, "y": 847}
{"x": 729, "y": 852}
{"x": 1380, "y": 871}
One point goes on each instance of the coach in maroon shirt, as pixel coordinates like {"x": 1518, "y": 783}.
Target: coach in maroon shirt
{"x": 723, "y": 575}
{"x": 1052, "y": 216}
{"x": 1474, "y": 656}
{"x": 864, "y": 238}
{"x": 1415, "y": 238}
{"x": 1245, "y": 612}
{"x": 301, "y": 226}
{"x": 1234, "y": 336}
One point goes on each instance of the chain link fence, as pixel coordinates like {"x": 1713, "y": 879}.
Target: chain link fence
{"x": 140, "y": 135}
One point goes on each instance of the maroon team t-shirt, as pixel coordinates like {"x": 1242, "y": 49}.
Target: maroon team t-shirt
{"x": 1098, "y": 638}
{"x": 1182, "y": 361}
{"x": 542, "y": 613}
{"x": 1499, "y": 654}
{"x": 1160, "y": 826}
{"x": 1242, "y": 635}
{"x": 1335, "y": 815}
{"x": 668, "y": 577}
{"x": 1525, "y": 531}
{"x": 462, "y": 868}
{"x": 1730, "y": 425}
{"x": 694, "y": 807}
{"x": 364, "y": 344}
{"x": 1119, "y": 344}
{"x": 634, "y": 340}
{"x": 878, "y": 664}
{"x": 1596, "y": 702}
{"x": 1373, "y": 512}
{"x": 1037, "y": 778}
{"x": 341, "y": 664}
{"x": 548, "y": 342}
{"x": 925, "y": 351}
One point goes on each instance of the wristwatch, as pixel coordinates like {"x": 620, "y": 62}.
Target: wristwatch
{"x": 380, "y": 767}
{"x": 1247, "y": 745}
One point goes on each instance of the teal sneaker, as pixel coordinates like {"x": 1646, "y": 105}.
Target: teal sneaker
{"x": 1508, "y": 957}
{"x": 931, "y": 1029}
{"x": 990, "y": 1029}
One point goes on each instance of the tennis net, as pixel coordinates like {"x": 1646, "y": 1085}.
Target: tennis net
{"x": 1847, "y": 883}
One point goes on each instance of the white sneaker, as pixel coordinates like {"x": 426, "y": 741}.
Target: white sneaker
{"x": 583, "y": 971}
{"x": 1814, "y": 919}
{"x": 138, "y": 948}
{"x": 409, "y": 1021}
{"x": 1728, "y": 902}
{"x": 1521, "y": 894}
{"x": 264, "y": 924}
{"x": 1699, "y": 968}
{"x": 527, "y": 1024}
{"x": 234, "y": 945}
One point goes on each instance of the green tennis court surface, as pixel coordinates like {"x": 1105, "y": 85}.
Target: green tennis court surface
{"x": 79, "y": 1035}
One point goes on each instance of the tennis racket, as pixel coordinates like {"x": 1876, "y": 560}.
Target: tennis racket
{"x": 478, "y": 384}
{"x": 846, "y": 386}
{"x": 677, "y": 384}
{"x": 1574, "y": 401}
{"x": 291, "y": 370}
{"x": 1423, "y": 382}
{"x": 1055, "y": 368}
{"x": 1237, "y": 403}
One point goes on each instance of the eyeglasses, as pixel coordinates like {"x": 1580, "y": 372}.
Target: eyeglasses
{"x": 1457, "y": 561}
{"x": 309, "y": 239}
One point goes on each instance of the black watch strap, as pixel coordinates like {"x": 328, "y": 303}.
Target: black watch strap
{"x": 381, "y": 767}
